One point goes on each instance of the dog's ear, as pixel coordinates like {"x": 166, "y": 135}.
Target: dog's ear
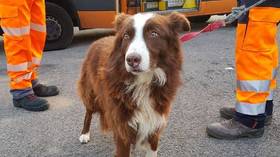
{"x": 119, "y": 19}
{"x": 179, "y": 22}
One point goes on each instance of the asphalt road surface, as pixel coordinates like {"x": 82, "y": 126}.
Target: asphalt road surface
{"x": 208, "y": 86}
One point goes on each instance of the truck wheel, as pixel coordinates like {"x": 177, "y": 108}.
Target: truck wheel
{"x": 59, "y": 27}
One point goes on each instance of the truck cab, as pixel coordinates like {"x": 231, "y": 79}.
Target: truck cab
{"x": 63, "y": 16}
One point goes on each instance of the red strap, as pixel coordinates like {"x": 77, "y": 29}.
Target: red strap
{"x": 211, "y": 27}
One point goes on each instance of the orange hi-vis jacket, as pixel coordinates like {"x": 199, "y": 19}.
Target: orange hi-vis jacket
{"x": 24, "y": 26}
{"x": 257, "y": 57}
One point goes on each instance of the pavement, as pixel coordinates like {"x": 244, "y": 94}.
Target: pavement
{"x": 208, "y": 75}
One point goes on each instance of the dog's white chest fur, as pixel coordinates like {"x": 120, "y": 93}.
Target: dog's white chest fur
{"x": 145, "y": 119}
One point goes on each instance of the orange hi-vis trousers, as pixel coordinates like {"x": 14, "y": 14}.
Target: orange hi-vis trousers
{"x": 24, "y": 26}
{"x": 256, "y": 60}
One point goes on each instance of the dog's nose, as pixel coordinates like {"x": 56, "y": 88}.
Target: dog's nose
{"x": 133, "y": 60}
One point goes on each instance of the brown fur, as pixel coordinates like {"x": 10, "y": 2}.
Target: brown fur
{"x": 104, "y": 79}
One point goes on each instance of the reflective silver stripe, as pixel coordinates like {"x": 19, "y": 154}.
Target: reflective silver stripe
{"x": 36, "y": 60}
{"x": 253, "y": 85}
{"x": 18, "y": 67}
{"x": 29, "y": 64}
{"x": 250, "y": 109}
{"x": 27, "y": 76}
{"x": 38, "y": 27}
{"x": 16, "y": 31}
{"x": 270, "y": 96}
{"x": 274, "y": 73}
{"x": 23, "y": 77}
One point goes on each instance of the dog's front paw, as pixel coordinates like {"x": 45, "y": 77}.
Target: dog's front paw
{"x": 84, "y": 138}
{"x": 151, "y": 153}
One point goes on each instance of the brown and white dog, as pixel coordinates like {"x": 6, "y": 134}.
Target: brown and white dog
{"x": 131, "y": 78}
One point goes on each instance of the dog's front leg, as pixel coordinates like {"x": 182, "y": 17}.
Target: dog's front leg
{"x": 153, "y": 145}
{"x": 122, "y": 148}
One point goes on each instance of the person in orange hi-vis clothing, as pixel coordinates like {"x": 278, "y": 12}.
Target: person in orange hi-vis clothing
{"x": 24, "y": 26}
{"x": 256, "y": 70}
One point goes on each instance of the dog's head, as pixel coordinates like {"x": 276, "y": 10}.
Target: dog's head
{"x": 145, "y": 39}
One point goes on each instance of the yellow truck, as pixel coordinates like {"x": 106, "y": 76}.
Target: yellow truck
{"x": 63, "y": 15}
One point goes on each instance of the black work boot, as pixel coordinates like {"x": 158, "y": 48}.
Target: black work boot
{"x": 31, "y": 103}
{"x": 229, "y": 112}
{"x": 232, "y": 129}
{"x": 41, "y": 90}
{"x": 269, "y": 112}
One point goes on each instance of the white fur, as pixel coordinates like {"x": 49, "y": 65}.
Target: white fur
{"x": 138, "y": 44}
{"x": 145, "y": 120}
{"x": 84, "y": 138}
{"x": 151, "y": 153}
{"x": 160, "y": 76}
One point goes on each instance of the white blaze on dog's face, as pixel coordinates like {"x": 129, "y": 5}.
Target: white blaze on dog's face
{"x": 137, "y": 50}
{"x": 146, "y": 41}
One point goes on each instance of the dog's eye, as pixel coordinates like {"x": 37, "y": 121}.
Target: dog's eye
{"x": 126, "y": 36}
{"x": 154, "y": 34}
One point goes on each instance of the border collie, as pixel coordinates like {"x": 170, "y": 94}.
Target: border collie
{"x": 131, "y": 78}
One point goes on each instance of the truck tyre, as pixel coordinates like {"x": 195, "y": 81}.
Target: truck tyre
{"x": 59, "y": 27}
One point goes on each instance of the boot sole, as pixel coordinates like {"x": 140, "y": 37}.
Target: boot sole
{"x": 38, "y": 109}
{"x": 256, "y": 134}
